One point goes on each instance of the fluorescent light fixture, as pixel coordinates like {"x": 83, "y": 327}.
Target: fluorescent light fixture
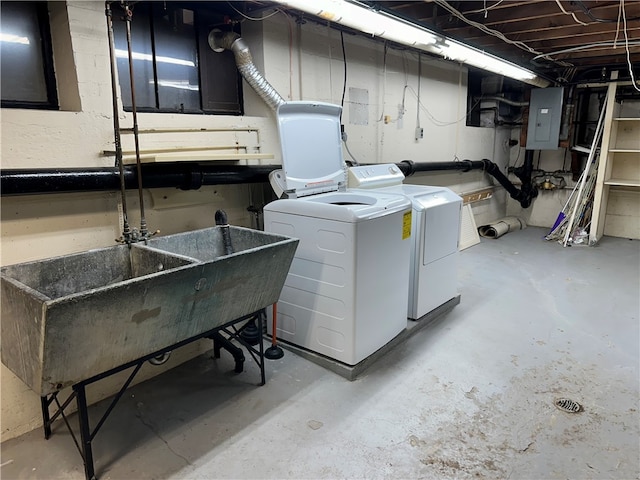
{"x": 485, "y": 61}
{"x": 10, "y": 38}
{"x": 361, "y": 17}
{"x": 159, "y": 58}
{"x": 366, "y": 20}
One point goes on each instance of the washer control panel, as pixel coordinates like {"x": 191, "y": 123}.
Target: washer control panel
{"x": 375, "y": 176}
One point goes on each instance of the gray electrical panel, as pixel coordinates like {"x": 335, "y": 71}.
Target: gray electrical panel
{"x": 545, "y": 116}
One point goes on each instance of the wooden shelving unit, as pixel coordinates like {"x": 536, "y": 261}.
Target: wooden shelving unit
{"x": 616, "y": 202}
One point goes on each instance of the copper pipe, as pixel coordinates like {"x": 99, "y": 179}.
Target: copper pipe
{"x": 143, "y": 222}
{"x": 126, "y": 229}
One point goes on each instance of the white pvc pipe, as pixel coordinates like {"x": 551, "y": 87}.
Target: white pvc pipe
{"x": 592, "y": 153}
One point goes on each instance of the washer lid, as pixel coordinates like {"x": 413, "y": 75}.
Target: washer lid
{"x": 311, "y": 147}
{"x": 348, "y": 207}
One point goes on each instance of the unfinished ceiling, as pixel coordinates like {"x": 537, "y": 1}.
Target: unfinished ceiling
{"x": 562, "y": 40}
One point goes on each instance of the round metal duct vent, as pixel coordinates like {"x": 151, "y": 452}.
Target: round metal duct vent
{"x": 568, "y": 405}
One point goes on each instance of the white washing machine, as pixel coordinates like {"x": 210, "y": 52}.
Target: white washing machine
{"x": 435, "y": 233}
{"x": 345, "y": 294}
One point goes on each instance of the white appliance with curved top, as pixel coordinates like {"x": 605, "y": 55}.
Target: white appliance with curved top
{"x": 435, "y": 233}
{"x": 345, "y": 294}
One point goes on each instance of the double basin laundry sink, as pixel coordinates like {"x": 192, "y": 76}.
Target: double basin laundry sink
{"x": 66, "y": 319}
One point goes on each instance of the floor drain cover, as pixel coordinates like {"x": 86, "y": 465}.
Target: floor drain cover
{"x": 568, "y": 405}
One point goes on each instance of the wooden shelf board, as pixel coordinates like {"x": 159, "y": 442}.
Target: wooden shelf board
{"x": 194, "y": 157}
{"x": 622, "y": 182}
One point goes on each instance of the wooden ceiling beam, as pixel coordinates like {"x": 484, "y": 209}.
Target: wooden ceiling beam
{"x": 526, "y": 25}
{"x": 596, "y": 61}
{"x": 517, "y": 12}
{"x": 545, "y": 9}
{"x": 540, "y": 24}
{"x": 566, "y": 36}
{"x": 619, "y": 54}
{"x": 417, "y": 11}
{"x": 430, "y": 12}
{"x": 619, "y": 50}
{"x": 539, "y": 29}
{"x": 479, "y": 6}
{"x": 545, "y": 45}
{"x": 521, "y": 22}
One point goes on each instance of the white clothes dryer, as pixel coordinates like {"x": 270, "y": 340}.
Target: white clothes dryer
{"x": 435, "y": 233}
{"x": 345, "y": 294}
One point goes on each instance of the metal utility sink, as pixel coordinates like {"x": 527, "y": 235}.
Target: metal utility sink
{"x": 206, "y": 245}
{"x": 69, "y": 318}
{"x": 74, "y": 274}
{"x": 227, "y": 287}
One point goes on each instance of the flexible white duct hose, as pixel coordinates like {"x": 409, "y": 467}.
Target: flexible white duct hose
{"x": 219, "y": 41}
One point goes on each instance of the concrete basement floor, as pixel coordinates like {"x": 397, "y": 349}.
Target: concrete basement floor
{"x": 471, "y": 396}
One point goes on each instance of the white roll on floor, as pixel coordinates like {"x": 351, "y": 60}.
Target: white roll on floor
{"x": 501, "y": 227}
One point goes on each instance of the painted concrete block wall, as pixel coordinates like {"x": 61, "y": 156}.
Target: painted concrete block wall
{"x": 306, "y": 63}
{"x": 443, "y": 93}
{"x": 43, "y": 226}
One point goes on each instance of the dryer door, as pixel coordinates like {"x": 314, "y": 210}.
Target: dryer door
{"x": 441, "y": 226}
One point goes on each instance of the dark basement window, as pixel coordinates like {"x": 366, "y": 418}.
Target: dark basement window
{"x": 174, "y": 69}
{"x": 28, "y": 78}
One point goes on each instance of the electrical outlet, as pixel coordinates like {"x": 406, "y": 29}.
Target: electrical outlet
{"x": 419, "y": 133}
{"x": 387, "y": 119}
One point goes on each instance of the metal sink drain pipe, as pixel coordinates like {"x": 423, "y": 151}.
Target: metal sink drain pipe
{"x": 223, "y": 223}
